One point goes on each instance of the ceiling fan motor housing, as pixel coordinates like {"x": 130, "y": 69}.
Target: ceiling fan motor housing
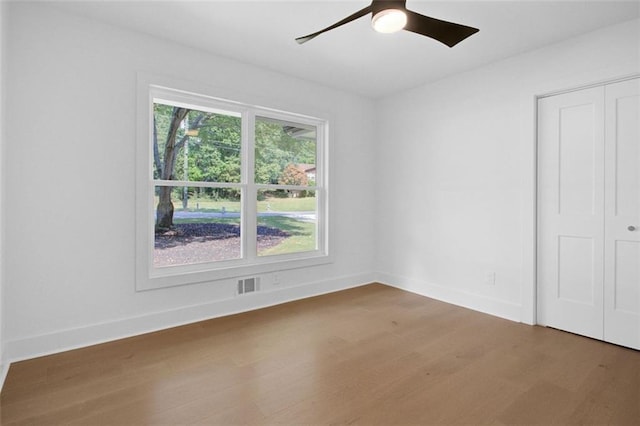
{"x": 380, "y": 5}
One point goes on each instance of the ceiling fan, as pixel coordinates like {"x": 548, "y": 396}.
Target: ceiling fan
{"x": 389, "y": 16}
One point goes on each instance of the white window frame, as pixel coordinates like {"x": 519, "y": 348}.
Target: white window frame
{"x": 147, "y": 276}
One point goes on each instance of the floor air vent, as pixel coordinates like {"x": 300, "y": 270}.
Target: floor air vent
{"x": 248, "y": 285}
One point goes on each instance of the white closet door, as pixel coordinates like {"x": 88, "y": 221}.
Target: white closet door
{"x": 622, "y": 214}
{"x": 570, "y": 211}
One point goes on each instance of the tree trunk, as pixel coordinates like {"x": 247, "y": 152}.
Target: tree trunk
{"x": 164, "y": 213}
{"x": 156, "y": 153}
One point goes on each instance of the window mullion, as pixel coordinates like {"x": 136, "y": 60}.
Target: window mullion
{"x": 249, "y": 205}
{"x": 195, "y": 184}
{"x": 322, "y": 201}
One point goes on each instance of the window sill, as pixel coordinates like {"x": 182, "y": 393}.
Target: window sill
{"x": 180, "y": 278}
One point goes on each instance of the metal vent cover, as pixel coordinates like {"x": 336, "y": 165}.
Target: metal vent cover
{"x": 248, "y": 285}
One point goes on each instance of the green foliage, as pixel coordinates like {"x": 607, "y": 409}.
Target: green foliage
{"x": 275, "y": 149}
{"x": 209, "y": 152}
{"x": 214, "y": 154}
{"x": 212, "y": 151}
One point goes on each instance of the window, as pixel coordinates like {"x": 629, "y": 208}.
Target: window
{"x": 226, "y": 189}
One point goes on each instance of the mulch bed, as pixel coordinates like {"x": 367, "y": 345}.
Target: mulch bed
{"x": 190, "y": 243}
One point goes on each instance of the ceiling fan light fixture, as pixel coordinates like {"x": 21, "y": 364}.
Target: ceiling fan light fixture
{"x": 389, "y": 16}
{"x": 389, "y": 20}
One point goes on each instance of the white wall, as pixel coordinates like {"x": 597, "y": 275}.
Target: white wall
{"x": 457, "y": 172}
{"x": 70, "y": 207}
{"x": 3, "y": 367}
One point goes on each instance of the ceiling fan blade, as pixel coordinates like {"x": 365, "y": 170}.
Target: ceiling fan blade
{"x": 445, "y": 32}
{"x": 346, "y": 20}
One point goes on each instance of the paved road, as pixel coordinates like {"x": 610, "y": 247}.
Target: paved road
{"x": 302, "y": 216}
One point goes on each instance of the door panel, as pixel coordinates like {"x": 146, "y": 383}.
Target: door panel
{"x": 627, "y": 153}
{"x": 576, "y": 163}
{"x": 575, "y": 269}
{"x": 570, "y": 211}
{"x": 622, "y": 210}
{"x": 626, "y": 293}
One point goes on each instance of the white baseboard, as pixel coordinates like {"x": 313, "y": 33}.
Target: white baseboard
{"x": 487, "y": 305}
{"x": 4, "y": 369}
{"x": 64, "y": 340}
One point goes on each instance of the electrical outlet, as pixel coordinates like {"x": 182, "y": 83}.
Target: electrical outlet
{"x": 490, "y": 278}
{"x": 276, "y": 279}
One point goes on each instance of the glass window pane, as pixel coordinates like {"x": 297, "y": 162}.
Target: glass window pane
{"x": 287, "y": 222}
{"x": 196, "y": 225}
{"x": 285, "y": 152}
{"x": 195, "y": 145}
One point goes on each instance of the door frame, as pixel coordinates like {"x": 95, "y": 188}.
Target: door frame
{"x": 530, "y": 230}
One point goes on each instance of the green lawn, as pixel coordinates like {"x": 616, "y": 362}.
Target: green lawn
{"x": 306, "y": 204}
{"x": 302, "y": 235}
{"x": 270, "y": 204}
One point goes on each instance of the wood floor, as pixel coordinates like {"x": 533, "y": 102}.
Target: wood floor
{"x": 371, "y": 355}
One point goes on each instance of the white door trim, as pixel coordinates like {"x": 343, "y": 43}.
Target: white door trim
{"x": 587, "y": 86}
{"x": 529, "y": 129}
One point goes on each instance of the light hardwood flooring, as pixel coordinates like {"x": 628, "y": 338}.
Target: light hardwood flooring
{"x": 370, "y": 355}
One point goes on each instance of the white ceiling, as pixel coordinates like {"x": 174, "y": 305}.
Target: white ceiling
{"x": 354, "y": 57}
